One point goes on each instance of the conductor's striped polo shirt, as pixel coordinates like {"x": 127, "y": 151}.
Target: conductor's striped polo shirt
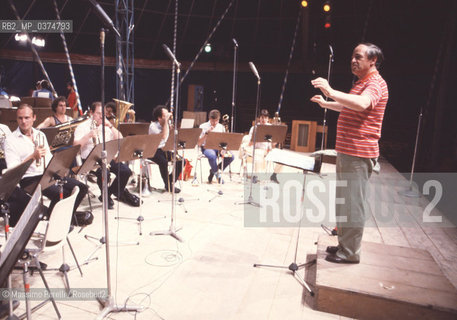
{"x": 358, "y": 132}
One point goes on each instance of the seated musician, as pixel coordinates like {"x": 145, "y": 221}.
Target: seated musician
{"x": 161, "y": 125}
{"x": 261, "y": 148}
{"x": 4, "y": 133}
{"x": 28, "y": 143}
{"x": 213, "y": 125}
{"x": 59, "y": 107}
{"x": 43, "y": 90}
{"x": 18, "y": 199}
{"x": 110, "y": 112}
{"x": 88, "y": 134}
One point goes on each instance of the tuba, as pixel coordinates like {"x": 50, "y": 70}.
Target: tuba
{"x": 122, "y": 110}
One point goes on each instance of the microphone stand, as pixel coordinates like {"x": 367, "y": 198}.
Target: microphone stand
{"x": 324, "y": 122}
{"x": 172, "y": 231}
{"x": 257, "y": 105}
{"x": 235, "y": 59}
{"x": 410, "y": 192}
{"x": 108, "y": 303}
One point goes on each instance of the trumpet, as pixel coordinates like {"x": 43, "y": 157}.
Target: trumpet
{"x": 276, "y": 118}
{"x": 39, "y": 143}
{"x": 226, "y": 122}
{"x": 2, "y": 143}
{"x": 93, "y": 126}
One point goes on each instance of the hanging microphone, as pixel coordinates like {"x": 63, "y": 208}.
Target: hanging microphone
{"x": 104, "y": 17}
{"x": 254, "y": 70}
{"x": 171, "y": 55}
{"x": 234, "y": 42}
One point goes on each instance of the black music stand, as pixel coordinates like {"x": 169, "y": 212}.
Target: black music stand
{"x": 94, "y": 160}
{"x": 95, "y": 156}
{"x": 138, "y": 147}
{"x": 187, "y": 139}
{"x": 133, "y": 129}
{"x": 8, "y": 182}
{"x": 274, "y": 134}
{"x": 58, "y": 167}
{"x": 223, "y": 141}
{"x": 16, "y": 244}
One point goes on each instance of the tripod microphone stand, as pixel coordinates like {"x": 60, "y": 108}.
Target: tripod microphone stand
{"x": 410, "y": 192}
{"x": 108, "y": 303}
{"x": 324, "y": 122}
{"x": 257, "y": 106}
{"x": 235, "y": 59}
{"x": 172, "y": 231}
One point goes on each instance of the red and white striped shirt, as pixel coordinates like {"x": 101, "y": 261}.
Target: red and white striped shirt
{"x": 358, "y": 132}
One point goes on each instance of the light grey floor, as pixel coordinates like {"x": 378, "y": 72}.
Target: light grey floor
{"x": 210, "y": 274}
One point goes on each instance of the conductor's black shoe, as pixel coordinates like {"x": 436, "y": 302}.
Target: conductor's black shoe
{"x": 129, "y": 198}
{"x": 5, "y": 307}
{"x": 274, "y": 178}
{"x": 110, "y": 202}
{"x": 331, "y": 249}
{"x": 335, "y": 259}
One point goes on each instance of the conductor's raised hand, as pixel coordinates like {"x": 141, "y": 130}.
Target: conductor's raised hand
{"x": 322, "y": 84}
{"x": 318, "y": 99}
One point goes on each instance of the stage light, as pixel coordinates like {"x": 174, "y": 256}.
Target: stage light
{"x": 20, "y": 37}
{"x": 304, "y": 3}
{"x": 327, "y": 6}
{"x": 38, "y": 42}
{"x": 208, "y": 48}
{"x": 328, "y": 23}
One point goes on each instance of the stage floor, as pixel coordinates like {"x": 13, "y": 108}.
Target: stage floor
{"x": 210, "y": 275}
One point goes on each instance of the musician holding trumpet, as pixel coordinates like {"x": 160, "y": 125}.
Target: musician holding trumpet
{"x": 27, "y": 143}
{"x": 213, "y": 125}
{"x": 88, "y": 134}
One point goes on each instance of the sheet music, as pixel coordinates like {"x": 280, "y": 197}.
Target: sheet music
{"x": 291, "y": 159}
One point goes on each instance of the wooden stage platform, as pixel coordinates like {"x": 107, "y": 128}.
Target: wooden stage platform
{"x": 390, "y": 282}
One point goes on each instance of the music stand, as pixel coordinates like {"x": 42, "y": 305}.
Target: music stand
{"x": 133, "y": 129}
{"x": 187, "y": 139}
{"x": 16, "y": 244}
{"x": 8, "y": 182}
{"x": 138, "y": 147}
{"x": 223, "y": 141}
{"x": 274, "y": 134}
{"x": 95, "y": 156}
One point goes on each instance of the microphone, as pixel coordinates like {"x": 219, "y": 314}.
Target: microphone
{"x": 254, "y": 70}
{"x": 104, "y": 17}
{"x": 331, "y": 49}
{"x": 171, "y": 55}
{"x": 234, "y": 42}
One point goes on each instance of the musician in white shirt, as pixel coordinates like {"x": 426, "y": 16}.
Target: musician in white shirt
{"x": 213, "y": 125}
{"x": 88, "y": 135}
{"x": 160, "y": 125}
{"x": 26, "y": 143}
